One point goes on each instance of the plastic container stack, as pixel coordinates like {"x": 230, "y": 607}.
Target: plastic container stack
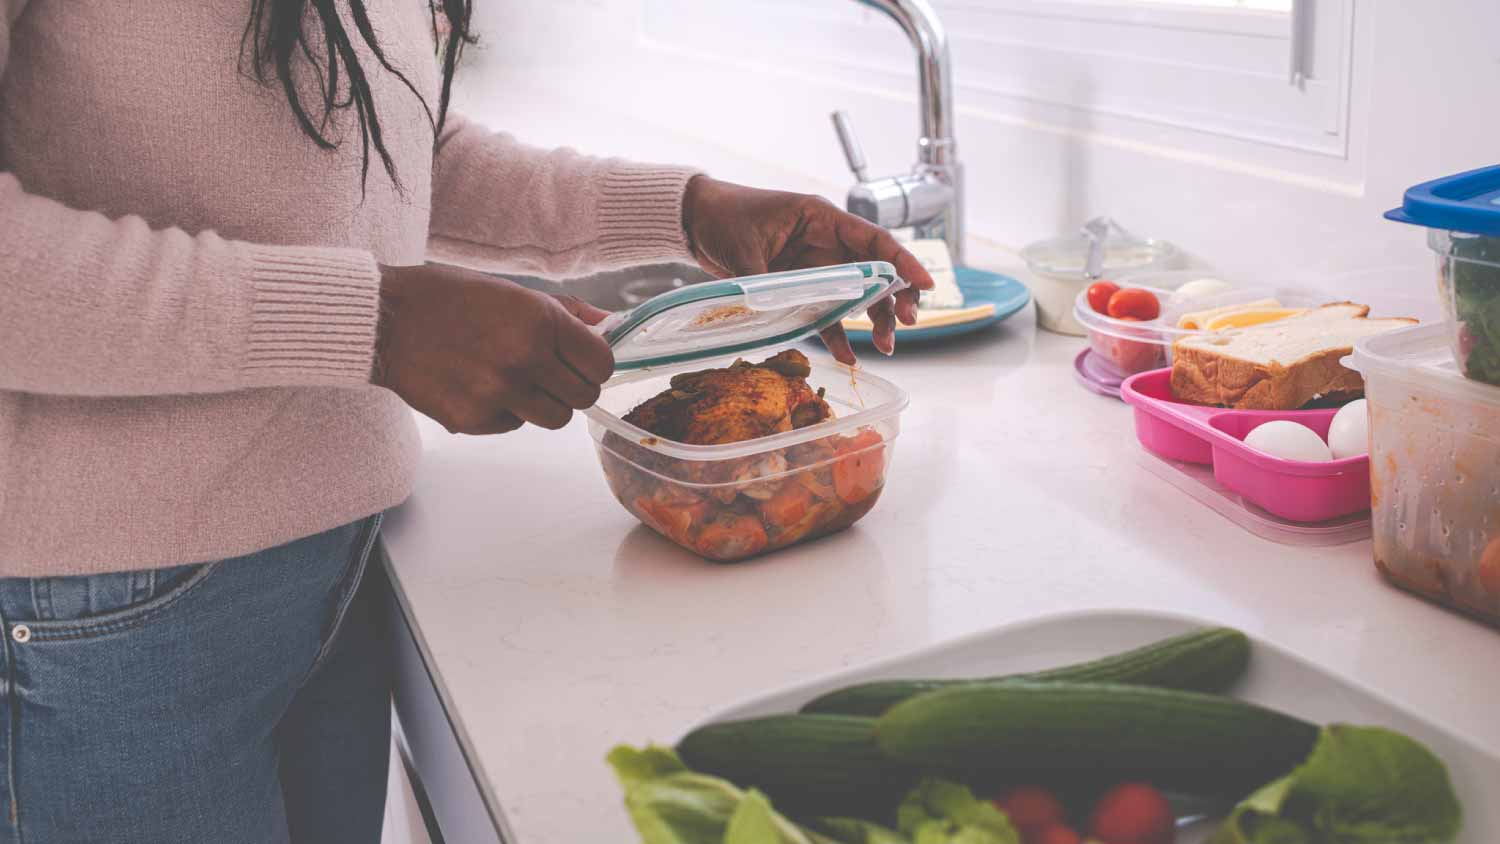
{"x": 1435, "y": 412}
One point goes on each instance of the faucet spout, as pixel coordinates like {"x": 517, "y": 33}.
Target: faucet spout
{"x": 929, "y": 199}
{"x": 934, "y": 75}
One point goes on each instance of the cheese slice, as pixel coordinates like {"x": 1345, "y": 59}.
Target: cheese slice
{"x": 1200, "y": 319}
{"x": 1246, "y": 318}
{"x": 928, "y": 318}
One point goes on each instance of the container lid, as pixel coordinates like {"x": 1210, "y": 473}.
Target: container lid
{"x": 1465, "y": 202}
{"x": 1421, "y": 355}
{"x": 736, "y": 315}
{"x": 1113, "y": 250}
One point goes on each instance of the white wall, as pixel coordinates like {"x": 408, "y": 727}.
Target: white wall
{"x": 1425, "y": 102}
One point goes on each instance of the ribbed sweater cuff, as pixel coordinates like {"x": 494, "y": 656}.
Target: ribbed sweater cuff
{"x": 313, "y": 314}
{"x": 640, "y": 214}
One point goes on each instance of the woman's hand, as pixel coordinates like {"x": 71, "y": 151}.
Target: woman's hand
{"x": 735, "y": 230}
{"x": 483, "y": 355}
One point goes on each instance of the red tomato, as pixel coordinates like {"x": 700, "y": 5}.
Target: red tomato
{"x": 1099, "y": 293}
{"x": 1133, "y": 813}
{"x": 1057, "y": 833}
{"x": 1134, "y": 302}
{"x": 1030, "y": 808}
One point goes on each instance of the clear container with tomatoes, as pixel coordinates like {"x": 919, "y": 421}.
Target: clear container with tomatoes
{"x": 736, "y": 500}
{"x": 1132, "y": 321}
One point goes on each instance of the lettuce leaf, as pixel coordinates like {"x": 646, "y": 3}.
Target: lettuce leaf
{"x": 855, "y": 831}
{"x": 1476, "y": 292}
{"x": 940, "y": 812}
{"x": 755, "y": 822}
{"x": 670, "y": 804}
{"x": 1360, "y": 785}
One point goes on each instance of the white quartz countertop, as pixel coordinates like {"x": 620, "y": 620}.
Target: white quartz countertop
{"x": 556, "y": 626}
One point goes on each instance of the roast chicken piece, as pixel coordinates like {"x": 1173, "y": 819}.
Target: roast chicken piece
{"x": 740, "y": 402}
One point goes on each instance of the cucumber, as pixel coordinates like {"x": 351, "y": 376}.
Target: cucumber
{"x": 1195, "y": 743}
{"x": 809, "y": 765}
{"x": 1204, "y": 661}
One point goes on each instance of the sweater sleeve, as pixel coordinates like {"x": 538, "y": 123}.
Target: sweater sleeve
{"x": 499, "y": 204}
{"x": 100, "y": 307}
{"x": 93, "y": 306}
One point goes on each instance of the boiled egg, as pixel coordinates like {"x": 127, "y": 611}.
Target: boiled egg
{"x": 1349, "y": 433}
{"x": 1289, "y": 441}
{"x": 1199, "y": 288}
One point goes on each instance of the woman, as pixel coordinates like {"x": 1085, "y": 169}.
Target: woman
{"x": 213, "y": 316}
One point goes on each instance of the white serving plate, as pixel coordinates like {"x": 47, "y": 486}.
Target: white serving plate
{"x": 1276, "y": 678}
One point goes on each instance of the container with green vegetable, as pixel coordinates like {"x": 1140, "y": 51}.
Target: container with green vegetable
{"x": 1462, "y": 217}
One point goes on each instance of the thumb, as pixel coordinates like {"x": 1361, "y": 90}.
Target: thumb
{"x": 581, "y": 310}
{"x": 753, "y": 263}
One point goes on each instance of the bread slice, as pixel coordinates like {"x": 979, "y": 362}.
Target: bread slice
{"x": 1279, "y": 365}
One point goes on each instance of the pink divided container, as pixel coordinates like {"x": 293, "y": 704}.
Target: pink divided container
{"x": 1295, "y": 490}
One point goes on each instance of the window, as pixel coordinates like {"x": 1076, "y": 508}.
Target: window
{"x": 1263, "y": 5}
{"x": 1267, "y": 81}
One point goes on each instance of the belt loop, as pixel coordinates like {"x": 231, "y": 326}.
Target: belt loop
{"x": 41, "y": 598}
{"x": 142, "y": 585}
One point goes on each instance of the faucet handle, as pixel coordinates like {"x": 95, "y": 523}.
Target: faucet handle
{"x": 852, "y": 153}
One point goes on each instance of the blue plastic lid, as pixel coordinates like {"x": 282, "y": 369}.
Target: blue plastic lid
{"x": 1466, "y": 202}
{"x": 743, "y": 314}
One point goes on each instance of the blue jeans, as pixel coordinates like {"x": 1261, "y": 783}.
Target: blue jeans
{"x": 243, "y": 701}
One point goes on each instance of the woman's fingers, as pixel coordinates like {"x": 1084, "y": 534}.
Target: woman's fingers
{"x": 581, "y": 310}
{"x": 838, "y": 344}
{"x": 883, "y": 316}
{"x": 906, "y": 305}
{"x": 583, "y": 350}
{"x": 502, "y": 424}
{"x": 869, "y": 242}
{"x": 534, "y": 405}
{"x": 561, "y": 382}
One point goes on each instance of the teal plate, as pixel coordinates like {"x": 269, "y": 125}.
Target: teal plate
{"x": 980, "y": 288}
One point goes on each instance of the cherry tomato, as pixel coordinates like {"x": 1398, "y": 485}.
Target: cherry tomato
{"x": 1133, "y": 813}
{"x": 1057, "y": 833}
{"x": 1134, "y": 302}
{"x": 1099, "y": 293}
{"x": 1030, "y": 808}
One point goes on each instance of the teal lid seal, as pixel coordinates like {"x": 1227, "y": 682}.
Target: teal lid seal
{"x": 735, "y": 315}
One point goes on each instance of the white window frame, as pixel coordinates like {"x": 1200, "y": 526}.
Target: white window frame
{"x": 1249, "y": 113}
{"x": 1295, "y": 94}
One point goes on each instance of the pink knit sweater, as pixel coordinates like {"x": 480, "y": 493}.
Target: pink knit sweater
{"x": 188, "y": 286}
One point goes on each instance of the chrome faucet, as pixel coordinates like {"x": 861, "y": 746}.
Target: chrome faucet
{"x": 931, "y": 197}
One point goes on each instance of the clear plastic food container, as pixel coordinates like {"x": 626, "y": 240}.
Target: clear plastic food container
{"x": 1126, "y": 347}
{"x": 1434, "y": 470}
{"x": 730, "y": 501}
{"x": 1059, "y": 268}
{"x": 1462, "y": 216}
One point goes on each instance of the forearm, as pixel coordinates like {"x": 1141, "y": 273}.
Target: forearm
{"x": 503, "y": 206}
{"x": 101, "y": 307}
